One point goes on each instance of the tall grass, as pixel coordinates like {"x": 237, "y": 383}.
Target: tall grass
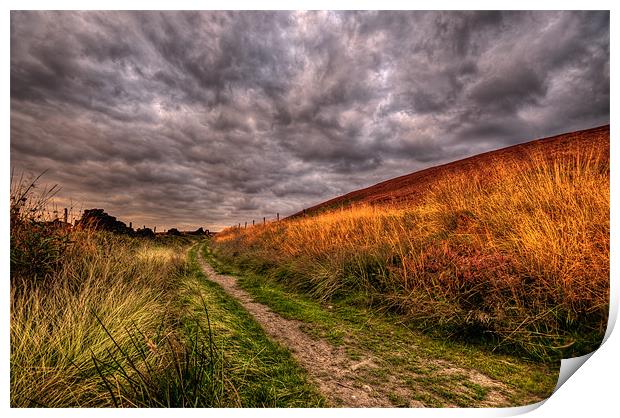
{"x": 96, "y": 319}
{"x": 519, "y": 257}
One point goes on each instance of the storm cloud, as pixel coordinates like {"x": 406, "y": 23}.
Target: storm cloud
{"x": 211, "y": 118}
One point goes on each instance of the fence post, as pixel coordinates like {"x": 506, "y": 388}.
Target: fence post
{"x": 246, "y": 224}
{"x": 278, "y": 216}
{"x": 263, "y": 220}
{"x": 154, "y": 229}
{"x": 66, "y": 215}
{"x": 252, "y": 222}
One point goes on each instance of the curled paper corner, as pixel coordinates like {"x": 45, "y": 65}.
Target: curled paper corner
{"x": 567, "y": 367}
{"x": 570, "y": 365}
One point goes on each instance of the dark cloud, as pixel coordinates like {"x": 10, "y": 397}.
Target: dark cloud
{"x": 211, "y": 118}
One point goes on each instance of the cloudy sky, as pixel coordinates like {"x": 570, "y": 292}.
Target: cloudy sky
{"x": 213, "y": 118}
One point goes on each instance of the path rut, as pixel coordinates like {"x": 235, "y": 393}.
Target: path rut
{"x": 335, "y": 374}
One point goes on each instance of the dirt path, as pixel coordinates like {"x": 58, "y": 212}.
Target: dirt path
{"x": 341, "y": 380}
{"x": 335, "y": 374}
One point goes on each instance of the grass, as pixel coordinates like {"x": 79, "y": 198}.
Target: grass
{"x": 263, "y": 373}
{"x": 416, "y": 358}
{"x": 102, "y": 330}
{"x": 106, "y": 320}
{"x": 518, "y": 259}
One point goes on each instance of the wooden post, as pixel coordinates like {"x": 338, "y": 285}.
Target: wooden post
{"x": 278, "y": 216}
{"x": 252, "y": 222}
{"x": 246, "y": 224}
{"x": 66, "y": 216}
{"x": 154, "y": 229}
{"x": 130, "y": 225}
{"x": 263, "y": 220}
{"x": 239, "y": 225}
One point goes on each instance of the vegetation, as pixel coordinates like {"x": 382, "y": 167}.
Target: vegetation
{"x": 262, "y": 372}
{"x": 407, "y": 364}
{"x": 519, "y": 258}
{"x": 101, "y": 319}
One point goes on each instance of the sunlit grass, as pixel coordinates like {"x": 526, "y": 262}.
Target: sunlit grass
{"x": 520, "y": 256}
{"x": 105, "y": 320}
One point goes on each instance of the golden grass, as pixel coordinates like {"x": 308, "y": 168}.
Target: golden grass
{"x": 58, "y": 330}
{"x": 522, "y": 254}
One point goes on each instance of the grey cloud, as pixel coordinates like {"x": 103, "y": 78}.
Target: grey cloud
{"x": 510, "y": 90}
{"x": 203, "y": 118}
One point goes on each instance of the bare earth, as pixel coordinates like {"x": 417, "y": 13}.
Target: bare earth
{"x": 337, "y": 376}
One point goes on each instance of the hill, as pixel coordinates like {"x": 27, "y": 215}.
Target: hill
{"x": 411, "y": 186}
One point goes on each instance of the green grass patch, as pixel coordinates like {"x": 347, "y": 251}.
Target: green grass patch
{"x": 263, "y": 373}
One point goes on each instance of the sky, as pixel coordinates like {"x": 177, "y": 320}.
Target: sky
{"x": 188, "y": 119}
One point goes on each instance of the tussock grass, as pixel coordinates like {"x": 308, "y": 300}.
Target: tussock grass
{"x": 106, "y": 320}
{"x": 519, "y": 257}
{"x": 96, "y": 318}
{"x": 103, "y": 327}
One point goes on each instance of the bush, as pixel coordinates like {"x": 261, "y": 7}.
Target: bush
{"x": 37, "y": 246}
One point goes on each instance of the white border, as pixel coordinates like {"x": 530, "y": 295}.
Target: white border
{"x": 592, "y": 391}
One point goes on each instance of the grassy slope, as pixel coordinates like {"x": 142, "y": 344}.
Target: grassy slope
{"x": 517, "y": 252}
{"x": 417, "y": 357}
{"x": 262, "y": 373}
{"x": 413, "y": 186}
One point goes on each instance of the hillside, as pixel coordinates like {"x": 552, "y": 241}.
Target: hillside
{"x": 410, "y": 187}
{"x": 488, "y": 246}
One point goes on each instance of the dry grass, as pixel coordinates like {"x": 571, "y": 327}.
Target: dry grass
{"x": 521, "y": 254}
{"x": 97, "y": 319}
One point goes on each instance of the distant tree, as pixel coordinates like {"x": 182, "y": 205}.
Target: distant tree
{"x": 99, "y": 219}
{"x": 145, "y": 232}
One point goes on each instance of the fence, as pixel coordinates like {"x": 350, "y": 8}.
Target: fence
{"x": 265, "y": 220}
